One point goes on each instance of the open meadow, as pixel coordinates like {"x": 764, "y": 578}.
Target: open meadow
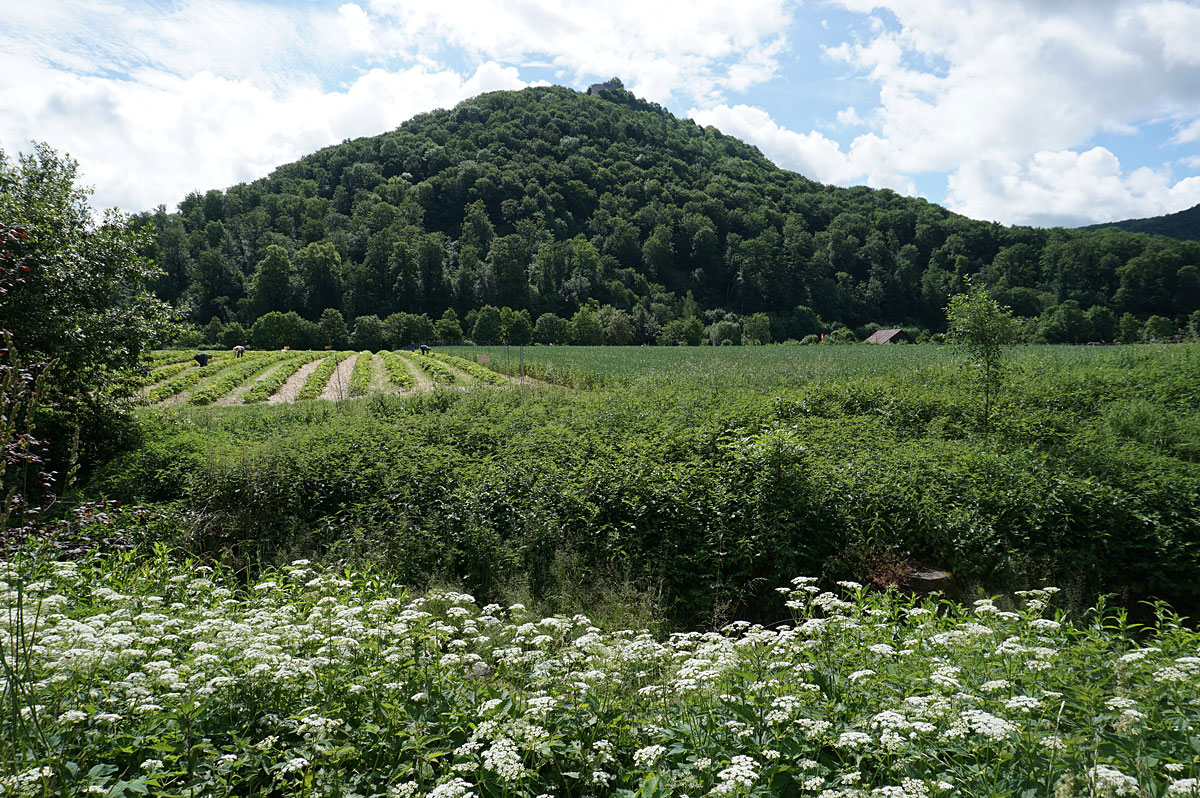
{"x": 644, "y": 572}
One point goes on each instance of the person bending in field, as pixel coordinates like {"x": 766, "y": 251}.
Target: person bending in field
{"x": 202, "y": 358}
{"x": 238, "y": 351}
{"x": 424, "y": 349}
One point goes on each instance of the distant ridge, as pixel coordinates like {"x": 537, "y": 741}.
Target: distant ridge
{"x": 1184, "y": 225}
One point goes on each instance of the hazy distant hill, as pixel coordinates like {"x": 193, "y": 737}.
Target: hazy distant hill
{"x": 1184, "y": 225}
{"x": 551, "y": 200}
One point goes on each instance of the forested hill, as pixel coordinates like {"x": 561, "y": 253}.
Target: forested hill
{"x": 549, "y": 200}
{"x": 1184, "y": 225}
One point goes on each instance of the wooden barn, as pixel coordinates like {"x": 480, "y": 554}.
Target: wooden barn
{"x": 890, "y": 337}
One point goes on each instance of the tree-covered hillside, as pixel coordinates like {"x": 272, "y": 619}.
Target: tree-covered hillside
{"x": 550, "y": 201}
{"x": 1184, "y": 225}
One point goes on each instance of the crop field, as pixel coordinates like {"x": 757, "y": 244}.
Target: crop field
{"x": 757, "y": 368}
{"x": 280, "y": 376}
{"x": 696, "y": 475}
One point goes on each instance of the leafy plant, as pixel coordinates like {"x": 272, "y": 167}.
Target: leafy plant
{"x": 360, "y": 376}
{"x": 436, "y": 370}
{"x": 397, "y": 372}
{"x": 268, "y": 386}
{"x": 480, "y": 373}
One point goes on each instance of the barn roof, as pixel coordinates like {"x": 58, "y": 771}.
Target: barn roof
{"x": 885, "y": 336}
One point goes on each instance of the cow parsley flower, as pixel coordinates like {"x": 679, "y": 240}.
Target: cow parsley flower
{"x": 1107, "y": 781}
{"x": 854, "y": 740}
{"x": 1022, "y": 703}
{"x": 455, "y": 788}
{"x": 504, "y": 759}
{"x": 645, "y": 758}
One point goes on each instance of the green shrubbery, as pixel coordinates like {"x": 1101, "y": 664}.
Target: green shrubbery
{"x": 734, "y": 478}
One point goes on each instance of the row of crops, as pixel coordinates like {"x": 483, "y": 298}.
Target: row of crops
{"x": 175, "y": 377}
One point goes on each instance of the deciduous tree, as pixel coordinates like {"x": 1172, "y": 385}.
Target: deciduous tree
{"x": 983, "y": 328}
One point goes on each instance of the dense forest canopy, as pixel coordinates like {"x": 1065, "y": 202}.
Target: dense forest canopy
{"x": 1183, "y": 225}
{"x": 607, "y": 211}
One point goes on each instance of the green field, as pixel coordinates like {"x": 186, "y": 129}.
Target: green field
{"x": 554, "y": 586}
{"x": 700, "y": 475}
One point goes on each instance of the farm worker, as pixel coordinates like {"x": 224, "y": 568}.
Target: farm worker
{"x": 202, "y": 358}
{"x": 239, "y": 350}
{"x": 424, "y": 349}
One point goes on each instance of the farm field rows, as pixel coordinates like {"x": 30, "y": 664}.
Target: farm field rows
{"x": 262, "y": 376}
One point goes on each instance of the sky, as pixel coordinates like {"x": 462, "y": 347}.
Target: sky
{"x": 1043, "y": 112}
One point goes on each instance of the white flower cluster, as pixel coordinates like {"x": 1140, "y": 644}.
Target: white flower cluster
{"x": 645, "y": 758}
{"x": 454, "y": 788}
{"x": 740, "y": 775}
{"x": 504, "y": 759}
{"x": 1107, "y": 781}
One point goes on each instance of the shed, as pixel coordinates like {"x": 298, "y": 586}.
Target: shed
{"x": 890, "y": 337}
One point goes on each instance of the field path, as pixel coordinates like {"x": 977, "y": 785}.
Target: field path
{"x": 338, "y": 387}
{"x": 294, "y": 383}
{"x": 421, "y": 380}
{"x": 180, "y": 398}
{"x": 234, "y": 397}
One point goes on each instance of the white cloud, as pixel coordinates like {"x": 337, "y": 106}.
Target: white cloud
{"x": 848, "y": 117}
{"x": 694, "y": 48}
{"x": 1067, "y": 188}
{"x": 1187, "y": 134}
{"x": 158, "y": 99}
{"x": 1015, "y": 77}
{"x": 869, "y": 160}
{"x": 153, "y": 138}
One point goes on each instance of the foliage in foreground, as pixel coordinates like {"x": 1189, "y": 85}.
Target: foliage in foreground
{"x": 152, "y": 676}
{"x": 83, "y": 301}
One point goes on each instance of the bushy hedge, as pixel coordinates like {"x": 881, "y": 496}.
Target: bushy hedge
{"x": 705, "y": 495}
